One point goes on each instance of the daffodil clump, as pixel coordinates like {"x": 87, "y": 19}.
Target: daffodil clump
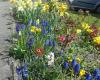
{"x": 21, "y": 5}
{"x": 62, "y": 9}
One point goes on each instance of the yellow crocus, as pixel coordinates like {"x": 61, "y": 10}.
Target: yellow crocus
{"x": 96, "y": 40}
{"x": 82, "y": 72}
{"x": 85, "y": 26}
{"x": 78, "y": 31}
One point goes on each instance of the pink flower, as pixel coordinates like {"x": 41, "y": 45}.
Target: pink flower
{"x": 61, "y": 38}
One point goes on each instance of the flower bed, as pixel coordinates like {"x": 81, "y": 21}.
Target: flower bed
{"x": 51, "y": 44}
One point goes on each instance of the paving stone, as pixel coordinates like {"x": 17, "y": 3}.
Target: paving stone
{"x": 5, "y": 71}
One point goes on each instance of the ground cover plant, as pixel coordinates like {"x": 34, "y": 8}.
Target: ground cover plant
{"x": 52, "y": 43}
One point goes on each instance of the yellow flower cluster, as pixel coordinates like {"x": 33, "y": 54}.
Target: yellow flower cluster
{"x": 62, "y": 9}
{"x": 96, "y": 40}
{"x": 45, "y": 7}
{"x": 21, "y": 5}
{"x": 86, "y": 27}
{"x": 35, "y": 29}
{"x": 82, "y": 72}
{"x": 37, "y": 3}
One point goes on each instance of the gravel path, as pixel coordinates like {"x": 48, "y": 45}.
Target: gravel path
{"x": 5, "y": 20}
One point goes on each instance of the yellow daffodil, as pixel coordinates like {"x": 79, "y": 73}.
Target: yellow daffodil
{"x": 96, "y": 40}
{"x": 78, "y": 31}
{"x": 82, "y": 72}
{"x": 37, "y": 3}
{"x": 89, "y": 30}
{"x": 78, "y": 60}
{"x": 85, "y": 26}
{"x": 46, "y": 7}
{"x": 62, "y": 9}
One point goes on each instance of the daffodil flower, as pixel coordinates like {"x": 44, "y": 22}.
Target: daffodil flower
{"x": 96, "y": 40}
{"x": 85, "y": 26}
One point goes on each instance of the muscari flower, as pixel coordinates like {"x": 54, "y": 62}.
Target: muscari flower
{"x": 88, "y": 77}
{"x": 17, "y": 27}
{"x": 49, "y": 42}
{"x": 23, "y": 26}
{"x": 66, "y": 65}
{"x": 44, "y": 23}
{"x": 77, "y": 69}
{"x": 30, "y": 43}
{"x": 25, "y": 71}
{"x": 73, "y": 63}
{"x": 96, "y": 73}
{"x": 19, "y": 70}
{"x": 44, "y": 31}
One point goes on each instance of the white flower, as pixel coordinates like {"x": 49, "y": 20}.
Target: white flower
{"x": 20, "y": 33}
{"x": 20, "y": 8}
{"x": 50, "y": 58}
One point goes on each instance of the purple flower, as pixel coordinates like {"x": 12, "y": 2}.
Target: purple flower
{"x": 19, "y": 70}
{"x": 44, "y": 23}
{"x": 54, "y": 43}
{"x": 17, "y": 27}
{"x": 25, "y": 71}
{"x": 66, "y": 65}
{"x": 34, "y": 23}
{"x": 30, "y": 43}
{"x": 29, "y": 22}
{"x": 49, "y": 42}
{"x": 44, "y": 31}
{"x": 88, "y": 77}
{"x": 96, "y": 73}
{"x": 74, "y": 63}
{"x": 23, "y": 26}
{"x": 77, "y": 69}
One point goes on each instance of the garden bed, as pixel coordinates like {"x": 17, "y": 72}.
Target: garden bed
{"x": 52, "y": 43}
